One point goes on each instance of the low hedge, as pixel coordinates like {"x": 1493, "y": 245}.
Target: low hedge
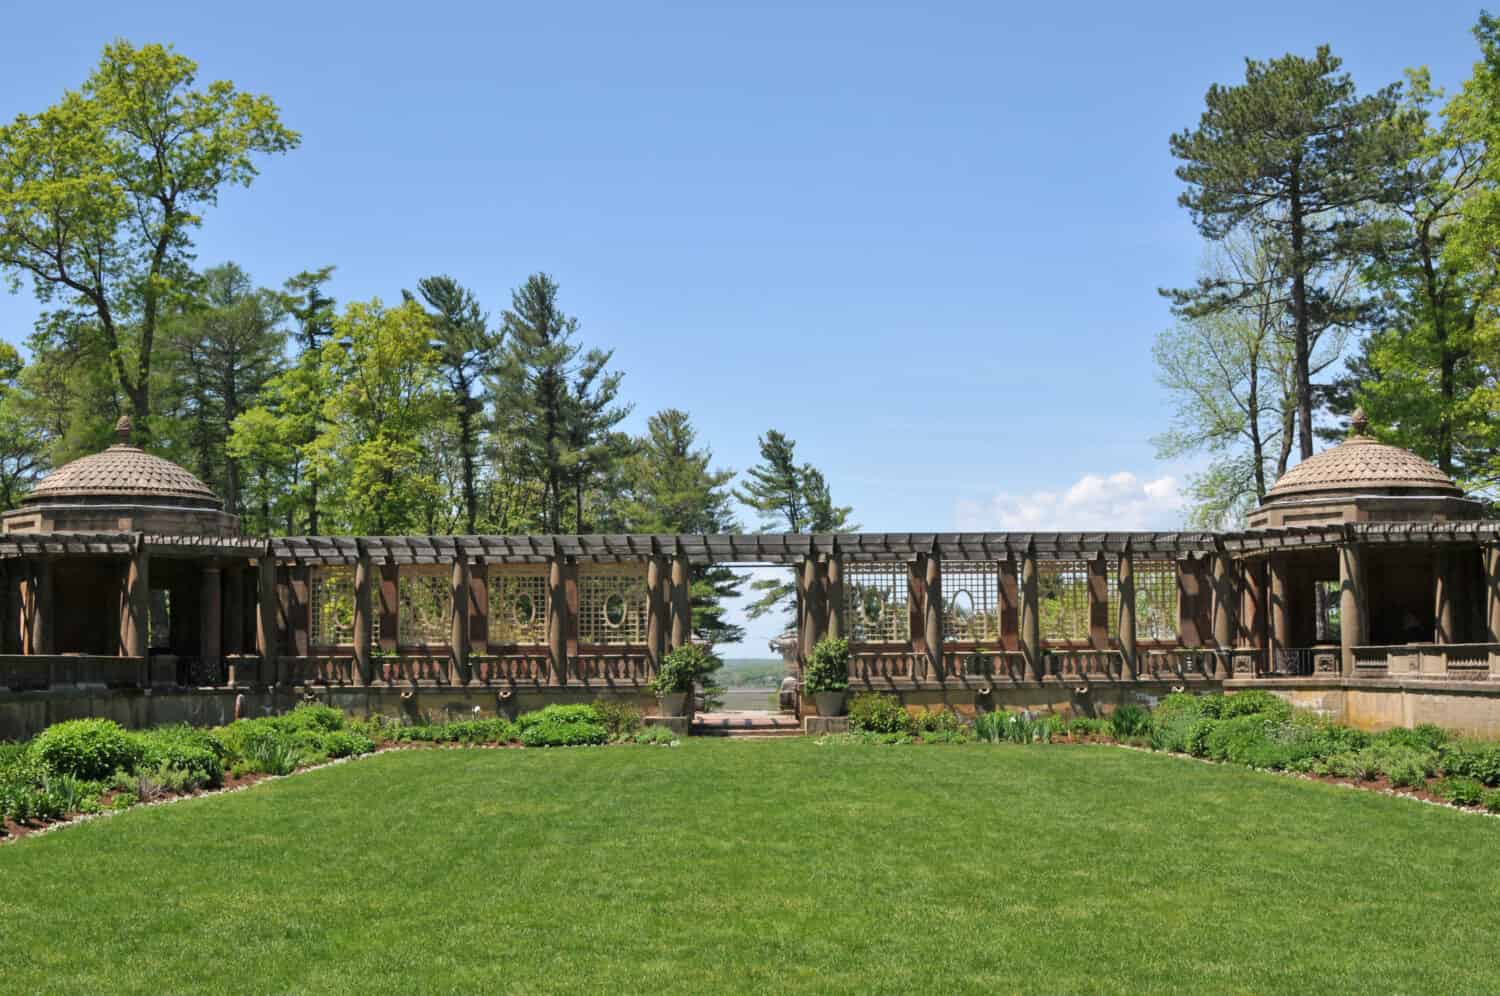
{"x": 87, "y": 748}
{"x": 562, "y": 726}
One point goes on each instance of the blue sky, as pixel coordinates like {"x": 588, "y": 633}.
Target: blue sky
{"x": 924, "y": 242}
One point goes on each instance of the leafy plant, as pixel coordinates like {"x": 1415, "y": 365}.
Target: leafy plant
{"x": 680, "y": 669}
{"x": 878, "y": 713}
{"x": 1129, "y": 720}
{"x": 1460, "y": 791}
{"x": 659, "y": 735}
{"x": 86, "y": 748}
{"x": 561, "y": 726}
{"x": 1476, "y": 759}
{"x": 620, "y": 718}
{"x": 1255, "y": 702}
{"x": 827, "y": 668}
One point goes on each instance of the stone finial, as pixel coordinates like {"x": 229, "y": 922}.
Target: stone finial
{"x": 123, "y": 428}
{"x": 1360, "y": 423}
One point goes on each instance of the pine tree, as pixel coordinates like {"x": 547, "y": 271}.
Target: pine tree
{"x": 1296, "y": 156}
{"x": 792, "y": 498}
{"x": 672, "y": 488}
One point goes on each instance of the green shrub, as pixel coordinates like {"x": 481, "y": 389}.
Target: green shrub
{"x": 1129, "y": 720}
{"x": 1255, "y": 702}
{"x": 655, "y": 735}
{"x": 1198, "y": 732}
{"x": 86, "y": 748}
{"x": 1491, "y": 800}
{"x": 679, "y": 669}
{"x": 878, "y": 713}
{"x": 934, "y": 720}
{"x": 124, "y": 800}
{"x": 561, "y": 726}
{"x": 827, "y": 668}
{"x": 183, "y": 748}
{"x": 1087, "y": 726}
{"x": 344, "y": 743}
{"x": 1426, "y": 736}
{"x": 1460, "y": 791}
{"x": 619, "y": 718}
{"x": 272, "y": 754}
{"x": 1475, "y": 759}
{"x": 310, "y": 717}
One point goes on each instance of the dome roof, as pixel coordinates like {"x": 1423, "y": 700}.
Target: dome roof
{"x": 1362, "y": 464}
{"x": 123, "y": 471}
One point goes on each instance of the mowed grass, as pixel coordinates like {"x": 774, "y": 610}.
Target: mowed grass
{"x": 762, "y": 866}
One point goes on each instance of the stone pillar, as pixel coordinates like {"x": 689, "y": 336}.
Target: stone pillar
{"x": 1225, "y": 594}
{"x": 265, "y": 620}
{"x": 1127, "y": 614}
{"x": 1187, "y": 604}
{"x": 682, "y": 602}
{"x": 1010, "y": 606}
{"x": 834, "y": 597}
{"x": 363, "y": 582}
{"x": 479, "y": 609}
{"x": 210, "y": 607}
{"x": 1253, "y": 604}
{"x": 458, "y": 632}
{"x": 42, "y": 609}
{"x": 135, "y": 607}
{"x": 390, "y": 607}
{"x": 1098, "y": 573}
{"x": 1351, "y": 603}
{"x": 932, "y": 613}
{"x": 299, "y": 611}
{"x": 1492, "y": 588}
{"x": 557, "y": 619}
{"x": 1031, "y": 618}
{"x": 657, "y": 624}
{"x": 1281, "y": 623}
{"x": 1444, "y": 609}
{"x": 811, "y": 627}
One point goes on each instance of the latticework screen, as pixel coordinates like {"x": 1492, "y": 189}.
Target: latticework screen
{"x": 876, "y": 603}
{"x": 1155, "y": 600}
{"x": 333, "y": 606}
{"x": 971, "y": 601}
{"x": 612, "y": 608}
{"x": 426, "y": 608}
{"x": 1112, "y": 590}
{"x": 1063, "y": 599}
{"x": 518, "y": 607}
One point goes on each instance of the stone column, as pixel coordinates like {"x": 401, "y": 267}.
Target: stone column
{"x": 1098, "y": 590}
{"x": 390, "y": 607}
{"x": 1253, "y": 605}
{"x": 1223, "y": 613}
{"x": 1492, "y": 588}
{"x": 814, "y": 619}
{"x": 1444, "y": 609}
{"x": 265, "y": 620}
{"x": 1351, "y": 603}
{"x": 1281, "y": 623}
{"x": 834, "y": 597}
{"x": 557, "y": 620}
{"x": 135, "y": 607}
{"x": 1031, "y": 618}
{"x": 682, "y": 604}
{"x": 210, "y": 607}
{"x": 41, "y": 639}
{"x": 657, "y": 624}
{"x": 363, "y": 663}
{"x": 458, "y": 632}
{"x": 1127, "y": 614}
{"x": 479, "y": 609}
{"x": 1187, "y": 604}
{"x": 1010, "y": 606}
{"x": 932, "y": 613}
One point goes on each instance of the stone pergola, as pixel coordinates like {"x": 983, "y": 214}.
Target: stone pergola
{"x": 1364, "y": 564}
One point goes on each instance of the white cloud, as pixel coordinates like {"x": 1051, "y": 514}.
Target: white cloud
{"x": 1119, "y": 501}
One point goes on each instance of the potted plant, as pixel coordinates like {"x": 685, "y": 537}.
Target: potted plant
{"x": 826, "y": 675}
{"x": 675, "y": 675}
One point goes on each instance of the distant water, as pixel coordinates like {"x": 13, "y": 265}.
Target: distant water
{"x": 750, "y": 699}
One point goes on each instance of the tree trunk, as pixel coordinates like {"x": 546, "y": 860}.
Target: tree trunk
{"x": 1299, "y": 314}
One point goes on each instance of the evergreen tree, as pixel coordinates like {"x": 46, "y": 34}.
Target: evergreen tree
{"x": 467, "y": 350}
{"x": 553, "y": 412}
{"x": 1295, "y": 155}
{"x": 672, "y": 488}
{"x": 792, "y": 498}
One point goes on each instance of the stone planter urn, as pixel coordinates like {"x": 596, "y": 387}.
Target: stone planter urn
{"x": 830, "y": 703}
{"x": 672, "y": 703}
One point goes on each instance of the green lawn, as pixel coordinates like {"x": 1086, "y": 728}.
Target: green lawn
{"x": 769, "y": 866}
